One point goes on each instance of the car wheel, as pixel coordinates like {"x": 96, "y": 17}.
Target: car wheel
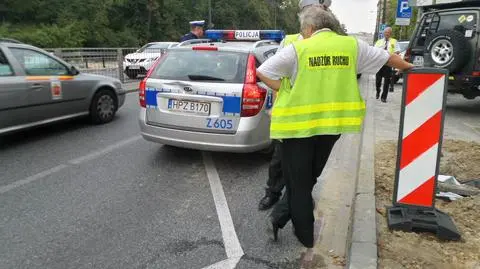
{"x": 132, "y": 74}
{"x": 447, "y": 49}
{"x": 103, "y": 107}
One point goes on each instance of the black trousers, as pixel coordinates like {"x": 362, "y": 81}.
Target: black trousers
{"x": 303, "y": 161}
{"x": 385, "y": 72}
{"x": 275, "y": 182}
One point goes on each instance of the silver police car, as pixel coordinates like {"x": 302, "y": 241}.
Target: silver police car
{"x": 37, "y": 88}
{"x": 204, "y": 93}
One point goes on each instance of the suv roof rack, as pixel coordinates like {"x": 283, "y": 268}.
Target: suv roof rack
{"x": 194, "y": 41}
{"x": 10, "y": 40}
{"x": 264, "y": 42}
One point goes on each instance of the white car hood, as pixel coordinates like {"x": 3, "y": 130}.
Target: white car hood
{"x": 141, "y": 55}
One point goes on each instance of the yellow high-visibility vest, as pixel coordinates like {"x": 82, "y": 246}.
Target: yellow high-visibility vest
{"x": 325, "y": 98}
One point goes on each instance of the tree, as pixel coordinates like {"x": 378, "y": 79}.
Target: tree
{"x": 125, "y": 23}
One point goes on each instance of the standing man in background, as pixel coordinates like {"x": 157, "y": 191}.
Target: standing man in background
{"x": 391, "y": 46}
{"x": 275, "y": 182}
{"x": 196, "y": 31}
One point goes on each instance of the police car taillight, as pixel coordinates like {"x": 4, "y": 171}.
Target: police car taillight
{"x": 253, "y": 96}
{"x": 245, "y": 35}
{"x": 141, "y": 92}
{"x": 143, "y": 84}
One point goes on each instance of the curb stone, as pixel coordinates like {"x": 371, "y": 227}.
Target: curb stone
{"x": 362, "y": 252}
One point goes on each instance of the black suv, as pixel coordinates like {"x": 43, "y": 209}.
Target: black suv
{"x": 447, "y": 37}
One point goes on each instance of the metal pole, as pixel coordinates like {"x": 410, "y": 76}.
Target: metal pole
{"x": 384, "y": 16}
{"x": 275, "y": 12}
{"x": 209, "y": 13}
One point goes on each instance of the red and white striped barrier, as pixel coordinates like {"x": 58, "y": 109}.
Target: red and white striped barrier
{"x": 420, "y": 139}
{"x": 418, "y": 158}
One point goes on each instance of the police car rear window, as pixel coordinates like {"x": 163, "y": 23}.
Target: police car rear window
{"x": 200, "y": 65}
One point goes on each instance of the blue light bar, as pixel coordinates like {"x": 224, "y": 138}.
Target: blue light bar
{"x": 245, "y": 35}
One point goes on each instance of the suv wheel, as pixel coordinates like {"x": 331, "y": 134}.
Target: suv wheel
{"x": 447, "y": 49}
{"x": 103, "y": 107}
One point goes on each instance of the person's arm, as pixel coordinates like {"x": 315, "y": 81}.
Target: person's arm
{"x": 397, "y": 62}
{"x": 371, "y": 59}
{"x": 278, "y": 66}
{"x": 273, "y": 84}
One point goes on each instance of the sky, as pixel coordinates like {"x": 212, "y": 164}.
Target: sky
{"x": 357, "y": 15}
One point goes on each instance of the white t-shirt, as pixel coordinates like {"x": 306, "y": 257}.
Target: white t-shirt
{"x": 284, "y": 62}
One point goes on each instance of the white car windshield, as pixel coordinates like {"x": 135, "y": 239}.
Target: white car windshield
{"x": 154, "y": 47}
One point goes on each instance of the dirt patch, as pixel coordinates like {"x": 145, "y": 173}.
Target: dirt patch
{"x": 425, "y": 251}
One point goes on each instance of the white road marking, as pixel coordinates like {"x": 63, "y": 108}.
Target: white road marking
{"x": 91, "y": 156}
{"x": 230, "y": 239}
{"x": 225, "y": 264}
{"x": 30, "y": 179}
{"x": 95, "y": 154}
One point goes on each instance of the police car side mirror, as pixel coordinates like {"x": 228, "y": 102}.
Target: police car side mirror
{"x": 73, "y": 71}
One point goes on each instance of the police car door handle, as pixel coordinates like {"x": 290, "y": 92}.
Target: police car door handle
{"x": 36, "y": 86}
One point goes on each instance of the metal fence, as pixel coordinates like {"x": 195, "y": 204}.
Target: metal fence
{"x": 126, "y": 64}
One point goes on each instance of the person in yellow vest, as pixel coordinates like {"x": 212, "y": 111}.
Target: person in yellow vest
{"x": 275, "y": 182}
{"x": 390, "y": 45}
{"x": 322, "y": 102}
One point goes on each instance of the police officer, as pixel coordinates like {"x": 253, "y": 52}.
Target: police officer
{"x": 391, "y": 45}
{"x": 196, "y": 31}
{"x": 275, "y": 182}
{"x": 323, "y": 102}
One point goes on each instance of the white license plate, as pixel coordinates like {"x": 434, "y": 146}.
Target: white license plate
{"x": 134, "y": 67}
{"x": 199, "y": 108}
{"x": 418, "y": 61}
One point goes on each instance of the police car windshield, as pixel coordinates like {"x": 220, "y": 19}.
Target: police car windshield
{"x": 200, "y": 65}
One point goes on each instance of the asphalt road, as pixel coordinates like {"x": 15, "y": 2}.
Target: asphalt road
{"x": 75, "y": 195}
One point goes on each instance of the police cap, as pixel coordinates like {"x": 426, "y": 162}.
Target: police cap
{"x": 197, "y": 23}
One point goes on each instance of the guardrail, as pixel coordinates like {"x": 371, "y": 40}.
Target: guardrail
{"x": 126, "y": 64}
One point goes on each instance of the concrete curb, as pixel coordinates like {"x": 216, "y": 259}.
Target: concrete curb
{"x": 362, "y": 252}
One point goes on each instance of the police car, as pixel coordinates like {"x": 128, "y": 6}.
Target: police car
{"x": 204, "y": 94}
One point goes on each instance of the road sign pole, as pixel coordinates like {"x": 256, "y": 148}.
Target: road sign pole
{"x": 418, "y": 155}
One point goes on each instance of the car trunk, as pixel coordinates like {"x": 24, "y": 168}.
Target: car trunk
{"x": 196, "y": 91}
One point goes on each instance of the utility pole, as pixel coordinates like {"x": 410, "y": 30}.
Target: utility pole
{"x": 210, "y": 24}
{"x": 384, "y": 16}
{"x": 275, "y": 12}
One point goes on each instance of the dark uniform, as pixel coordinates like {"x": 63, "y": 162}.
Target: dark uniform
{"x": 188, "y": 37}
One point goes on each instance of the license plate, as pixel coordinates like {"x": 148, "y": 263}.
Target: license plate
{"x": 418, "y": 61}
{"x": 134, "y": 67}
{"x": 199, "y": 108}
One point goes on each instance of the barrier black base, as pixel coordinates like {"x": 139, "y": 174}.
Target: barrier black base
{"x": 421, "y": 220}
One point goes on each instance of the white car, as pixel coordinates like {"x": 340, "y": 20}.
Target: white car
{"x": 142, "y": 60}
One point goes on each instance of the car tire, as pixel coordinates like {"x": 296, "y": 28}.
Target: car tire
{"x": 103, "y": 107}
{"x": 447, "y": 49}
{"x": 131, "y": 74}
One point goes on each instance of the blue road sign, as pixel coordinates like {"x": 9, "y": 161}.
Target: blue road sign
{"x": 380, "y": 30}
{"x": 404, "y": 11}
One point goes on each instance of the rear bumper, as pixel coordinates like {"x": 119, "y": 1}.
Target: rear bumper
{"x": 245, "y": 140}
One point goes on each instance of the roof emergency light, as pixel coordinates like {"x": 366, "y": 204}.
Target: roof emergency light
{"x": 245, "y": 35}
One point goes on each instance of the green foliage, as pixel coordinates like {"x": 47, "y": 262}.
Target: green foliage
{"x": 131, "y": 23}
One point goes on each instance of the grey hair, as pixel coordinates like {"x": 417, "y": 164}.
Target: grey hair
{"x": 317, "y": 18}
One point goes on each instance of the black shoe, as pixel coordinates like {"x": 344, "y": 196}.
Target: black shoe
{"x": 267, "y": 202}
{"x": 378, "y": 95}
{"x": 391, "y": 90}
{"x": 384, "y": 100}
